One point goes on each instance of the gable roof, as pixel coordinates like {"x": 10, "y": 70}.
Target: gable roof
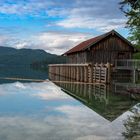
{"x": 88, "y": 43}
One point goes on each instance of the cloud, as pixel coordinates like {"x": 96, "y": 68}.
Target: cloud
{"x": 44, "y": 90}
{"x": 54, "y": 96}
{"x": 92, "y": 125}
{"x": 89, "y": 23}
{"x": 54, "y": 127}
{"x": 13, "y": 41}
{"x": 75, "y": 15}
{"x": 31, "y": 7}
{"x": 68, "y": 120}
{"x": 20, "y": 45}
{"x": 3, "y": 39}
{"x": 24, "y": 128}
{"x": 19, "y": 85}
{"x": 51, "y": 92}
{"x": 76, "y": 111}
{"x": 58, "y": 42}
{"x": 100, "y": 15}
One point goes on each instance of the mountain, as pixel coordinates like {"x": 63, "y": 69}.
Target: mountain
{"x": 12, "y": 56}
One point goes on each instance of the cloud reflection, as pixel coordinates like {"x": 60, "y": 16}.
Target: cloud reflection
{"x": 69, "y": 120}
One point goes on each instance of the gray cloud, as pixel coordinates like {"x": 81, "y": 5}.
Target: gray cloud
{"x": 4, "y": 39}
{"x": 91, "y": 8}
{"x": 100, "y": 15}
{"x": 88, "y": 15}
{"x": 58, "y": 42}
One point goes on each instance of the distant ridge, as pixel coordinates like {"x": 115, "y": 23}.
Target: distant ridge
{"x": 12, "y": 56}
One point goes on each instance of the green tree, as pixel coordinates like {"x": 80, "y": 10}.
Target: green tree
{"x": 132, "y": 125}
{"x": 131, "y": 8}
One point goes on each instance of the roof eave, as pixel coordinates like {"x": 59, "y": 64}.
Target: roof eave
{"x": 104, "y": 36}
{"x": 112, "y": 32}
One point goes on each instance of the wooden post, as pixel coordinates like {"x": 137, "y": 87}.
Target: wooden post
{"x": 81, "y": 74}
{"x": 85, "y": 74}
{"x": 135, "y": 76}
{"x": 55, "y": 73}
{"x": 102, "y": 74}
{"x": 77, "y": 73}
{"x": 96, "y": 72}
{"x": 90, "y": 91}
{"x": 63, "y": 73}
{"x": 90, "y": 75}
{"x": 80, "y": 69}
{"x": 70, "y": 73}
{"x": 66, "y": 74}
{"x": 74, "y": 73}
{"x": 64, "y": 69}
{"x": 108, "y": 73}
{"x": 75, "y": 76}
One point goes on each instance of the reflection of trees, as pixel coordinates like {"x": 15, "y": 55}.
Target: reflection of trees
{"x": 132, "y": 125}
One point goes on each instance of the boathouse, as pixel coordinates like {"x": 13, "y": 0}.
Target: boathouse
{"x": 106, "y": 48}
{"x": 97, "y": 60}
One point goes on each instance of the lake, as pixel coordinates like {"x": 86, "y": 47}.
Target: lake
{"x": 32, "y": 110}
{"x": 24, "y": 72}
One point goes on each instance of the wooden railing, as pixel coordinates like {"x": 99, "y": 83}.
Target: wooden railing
{"x": 127, "y": 64}
{"x": 86, "y": 92}
{"x": 88, "y": 73}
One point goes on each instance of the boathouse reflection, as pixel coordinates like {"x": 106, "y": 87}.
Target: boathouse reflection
{"x": 99, "y": 97}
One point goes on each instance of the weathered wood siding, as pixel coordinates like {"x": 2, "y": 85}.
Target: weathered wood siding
{"x": 107, "y": 50}
{"x": 77, "y": 58}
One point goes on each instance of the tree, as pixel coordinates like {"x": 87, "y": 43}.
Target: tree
{"x": 132, "y": 125}
{"x": 131, "y": 8}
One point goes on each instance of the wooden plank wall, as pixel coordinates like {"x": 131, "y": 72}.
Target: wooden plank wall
{"x": 106, "y": 51}
{"x": 88, "y": 73}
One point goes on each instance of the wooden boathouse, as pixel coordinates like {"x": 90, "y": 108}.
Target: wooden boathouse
{"x": 93, "y": 60}
{"x": 106, "y": 48}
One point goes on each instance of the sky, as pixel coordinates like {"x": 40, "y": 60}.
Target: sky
{"x": 57, "y": 25}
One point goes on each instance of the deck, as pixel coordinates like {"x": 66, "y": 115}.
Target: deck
{"x": 88, "y": 73}
{"x": 92, "y": 73}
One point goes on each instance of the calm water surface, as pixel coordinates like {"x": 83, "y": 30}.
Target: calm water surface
{"x": 42, "y": 111}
